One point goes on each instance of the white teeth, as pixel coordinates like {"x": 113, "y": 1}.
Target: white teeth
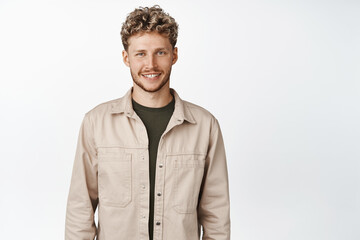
{"x": 151, "y": 75}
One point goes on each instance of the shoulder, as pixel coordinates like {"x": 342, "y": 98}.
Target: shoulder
{"x": 200, "y": 114}
{"x": 198, "y": 110}
{"x": 103, "y": 109}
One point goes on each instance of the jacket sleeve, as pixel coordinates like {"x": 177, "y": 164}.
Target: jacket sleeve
{"x": 83, "y": 193}
{"x": 214, "y": 204}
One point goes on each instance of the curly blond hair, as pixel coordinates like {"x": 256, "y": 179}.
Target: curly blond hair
{"x": 145, "y": 19}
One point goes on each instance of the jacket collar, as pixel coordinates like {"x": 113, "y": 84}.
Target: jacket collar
{"x": 181, "y": 111}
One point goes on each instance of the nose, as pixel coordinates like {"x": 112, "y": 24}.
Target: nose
{"x": 151, "y": 62}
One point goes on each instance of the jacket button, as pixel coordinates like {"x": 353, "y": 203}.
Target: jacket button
{"x": 160, "y": 165}
{"x": 159, "y": 194}
{"x": 158, "y": 223}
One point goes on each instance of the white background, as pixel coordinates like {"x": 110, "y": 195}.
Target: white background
{"x": 282, "y": 77}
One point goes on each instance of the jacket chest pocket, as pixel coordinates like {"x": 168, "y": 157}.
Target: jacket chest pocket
{"x": 188, "y": 173}
{"x": 114, "y": 178}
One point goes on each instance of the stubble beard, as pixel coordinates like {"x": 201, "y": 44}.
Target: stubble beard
{"x": 139, "y": 83}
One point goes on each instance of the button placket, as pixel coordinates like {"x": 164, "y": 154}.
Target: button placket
{"x": 143, "y": 190}
{"x": 159, "y": 188}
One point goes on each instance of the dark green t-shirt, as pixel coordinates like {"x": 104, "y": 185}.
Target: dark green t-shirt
{"x": 155, "y": 121}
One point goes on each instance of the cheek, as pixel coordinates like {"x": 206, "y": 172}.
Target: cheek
{"x": 135, "y": 65}
{"x": 166, "y": 63}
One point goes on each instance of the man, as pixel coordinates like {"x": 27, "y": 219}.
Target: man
{"x": 153, "y": 164}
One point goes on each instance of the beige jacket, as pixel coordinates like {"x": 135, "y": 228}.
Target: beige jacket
{"x": 111, "y": 173}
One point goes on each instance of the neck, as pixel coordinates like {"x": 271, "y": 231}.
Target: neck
{"x": 152, "y": 99}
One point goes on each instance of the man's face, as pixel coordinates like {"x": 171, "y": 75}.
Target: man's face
{"x": 150, "y": 57}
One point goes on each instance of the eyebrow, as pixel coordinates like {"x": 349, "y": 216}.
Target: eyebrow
{"x": 156, "y": 49}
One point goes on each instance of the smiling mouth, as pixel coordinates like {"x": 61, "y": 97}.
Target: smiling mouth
{"x": 151, "y": 76}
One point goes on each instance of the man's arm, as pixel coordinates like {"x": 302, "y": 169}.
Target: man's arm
{"x": 214, "y": 205}
{"x": 83, "y": 194}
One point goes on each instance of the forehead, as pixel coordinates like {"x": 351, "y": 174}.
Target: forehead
{"x": 148, "y": 41}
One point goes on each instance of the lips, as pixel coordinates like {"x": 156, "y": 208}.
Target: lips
{"x": 151, "y": 76}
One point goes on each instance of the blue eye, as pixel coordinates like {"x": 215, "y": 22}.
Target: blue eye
{"x": 161, "y": 53}
{"x": 140, "y": 54}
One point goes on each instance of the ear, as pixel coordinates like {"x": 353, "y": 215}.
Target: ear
{"x": 175, "y": 55}
{"x": 125, "y": 56}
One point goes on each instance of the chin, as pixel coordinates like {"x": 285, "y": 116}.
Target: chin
{"x": 151, "y": 88}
